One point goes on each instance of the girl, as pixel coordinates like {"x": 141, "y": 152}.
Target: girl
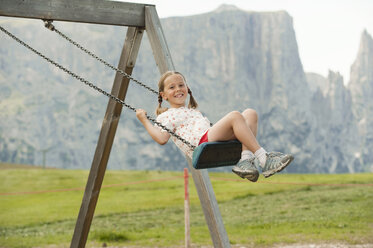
{"x": 189, "y": 123}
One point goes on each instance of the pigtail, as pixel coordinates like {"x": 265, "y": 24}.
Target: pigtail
{"x": 160, "y": 109}
{"x": 192, "y": 102}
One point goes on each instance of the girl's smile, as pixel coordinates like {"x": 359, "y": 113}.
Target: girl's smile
{"x": 179, "y": 95}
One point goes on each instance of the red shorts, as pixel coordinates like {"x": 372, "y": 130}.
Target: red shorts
{"x": 204, "y": 138}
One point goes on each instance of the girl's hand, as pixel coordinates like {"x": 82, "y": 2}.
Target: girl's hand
{"x": 141, "y": 114}
{"x": 155, "y": 132}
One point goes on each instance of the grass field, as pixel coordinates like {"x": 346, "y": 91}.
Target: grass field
{"x": 38, "y": 208}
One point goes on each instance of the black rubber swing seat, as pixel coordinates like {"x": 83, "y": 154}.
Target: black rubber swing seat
{"x": 217, "y": 154}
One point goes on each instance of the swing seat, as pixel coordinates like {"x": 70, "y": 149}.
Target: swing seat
{"x": 217, "y": 154}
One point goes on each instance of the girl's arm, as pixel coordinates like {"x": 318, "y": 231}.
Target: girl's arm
{"x": 156, "y": 133}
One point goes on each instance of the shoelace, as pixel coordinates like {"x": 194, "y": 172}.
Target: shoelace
{"x": 249, "y": 165}
{"x": 274, "y": 158}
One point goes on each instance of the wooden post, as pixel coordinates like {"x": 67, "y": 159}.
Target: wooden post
{"x": 210, "y": 206}
{"x": 201, "y": 178}
{"x": 157, "y": 40}
{"x": 186, "y": 208}
{"x": 105, "y": 141}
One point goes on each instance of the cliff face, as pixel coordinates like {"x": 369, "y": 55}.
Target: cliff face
{"x": 336, "y": 126}
{"x": 361, "y": 80}
{"x": 361, "y": 87}
{"x": 232, "y": 60}
{"x": 253, "y": 55}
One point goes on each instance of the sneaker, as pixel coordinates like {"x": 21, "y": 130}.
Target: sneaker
{"x": 276, "y": 162}
{"x": 247, "y": 169}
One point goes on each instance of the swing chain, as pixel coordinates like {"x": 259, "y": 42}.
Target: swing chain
{"x": 95, "y": 87}
{"x": 48, "y": 24}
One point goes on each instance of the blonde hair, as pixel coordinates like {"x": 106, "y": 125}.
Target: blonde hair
{"x": 192, "y": 102}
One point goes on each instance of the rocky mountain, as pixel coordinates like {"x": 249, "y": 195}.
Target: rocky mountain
{"x": 361, "y": 88}
{"x": 232, "y": 59}
{"x": 336, "y": 126}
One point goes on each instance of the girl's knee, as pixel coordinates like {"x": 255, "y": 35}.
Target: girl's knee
{"x": 250, "y": 114}
{"x": 235, "y": 116}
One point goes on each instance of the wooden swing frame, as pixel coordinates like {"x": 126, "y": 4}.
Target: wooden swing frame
{"x": 138, "y": 18}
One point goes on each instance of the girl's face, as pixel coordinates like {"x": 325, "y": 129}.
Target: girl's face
{"x": 175, "y": 91}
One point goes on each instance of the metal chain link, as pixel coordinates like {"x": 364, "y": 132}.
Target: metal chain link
{"x": 94, "y": 86}
{"x": 48, "y": 24}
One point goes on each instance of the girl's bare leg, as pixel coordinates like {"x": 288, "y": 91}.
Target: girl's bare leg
{"x": 244, "y": 128}
{"x": 251, "y": 118}
{"x": 235, "y": 126}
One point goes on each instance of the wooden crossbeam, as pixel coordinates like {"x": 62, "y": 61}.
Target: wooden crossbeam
{"x": 85, "y": 11}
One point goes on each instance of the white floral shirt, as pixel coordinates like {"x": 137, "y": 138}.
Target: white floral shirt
{"x": 188, "y": 123}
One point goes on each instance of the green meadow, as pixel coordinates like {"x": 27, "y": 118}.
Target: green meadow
{"x": 39, "y": 207}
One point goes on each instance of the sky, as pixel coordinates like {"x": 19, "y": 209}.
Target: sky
{"x": 328, "y": 32}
